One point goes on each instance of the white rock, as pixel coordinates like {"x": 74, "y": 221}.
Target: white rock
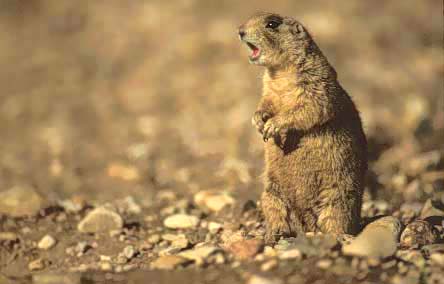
{"x": 129, "y": 252}
{"x": 199, "y": 254}
{"x": 106, "y": 266}
{"x": 81, "y": 247}
{"x": 181, "y": 221}
{"x": 129, "y": 205}
{"x": 437, "y": 258}
{"x": 269, "y": 251}
{"x": 256, "y": 279}
{"x": 169, "y": 262}
{"x": 46, "y": 242}
{"x": 269, "y": 265}
{"x": 213, "y": 201}
{"x": 290, "y": 254}
{"x": 180, "y": 243}
{"x": 71, "y": 206}
{"x": 214, "y": 227}
{"x": 99, "y": 220}
{"x": 324, "y": 263}
{"x": 378, "y": 239}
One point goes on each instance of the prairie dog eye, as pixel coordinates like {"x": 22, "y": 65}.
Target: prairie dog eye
{"x": 273, "y": 25}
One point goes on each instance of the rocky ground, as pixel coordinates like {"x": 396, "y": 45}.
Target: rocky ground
{"x": 210, "y": 237}
{"x": 127, "y": 153}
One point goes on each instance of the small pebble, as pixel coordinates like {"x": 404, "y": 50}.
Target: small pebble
{"x": 246, "y": 249}
{"x": 324, "y": 263}
{"x": 180, "y": 243}
{"x": 214, "y": 227}
{"x": 181, "y": 221}
{"x": 81, "y": 248}
{"x": 417, "y": 234}
{"x": 99, "y": 220}
{"x": 169, "y": 262}
{"x": 129, "y": 252}
{"x": 213, "y": 201}
{"x": 256, "y": 279}
{"x": 290, "y": 254}
{"x": 8, "y": 237}
{"x": 46, "y": 242}
{"x": 154, "y": 239}
{"x": 37, "y": 264}
{"x": 269, "y": 265}
{"x": 106, "y": 266}
{"x": 199, "y": 254}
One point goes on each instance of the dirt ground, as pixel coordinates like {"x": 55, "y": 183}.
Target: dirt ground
{"x": 142, "y": 109}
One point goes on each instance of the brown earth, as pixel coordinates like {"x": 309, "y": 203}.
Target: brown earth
{"x": 152, "y": 100}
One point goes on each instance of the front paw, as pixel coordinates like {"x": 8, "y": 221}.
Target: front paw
{"x": 273, "y": 235}
{"x": 259, "y": 119}
{"x": 273, "y": 129}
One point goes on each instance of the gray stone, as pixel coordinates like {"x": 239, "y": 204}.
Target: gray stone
{"x": 100, "y": 220}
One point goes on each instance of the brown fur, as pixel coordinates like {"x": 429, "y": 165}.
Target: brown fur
{"x": 315, "y": 148}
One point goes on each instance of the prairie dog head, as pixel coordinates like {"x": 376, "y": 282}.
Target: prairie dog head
{"x": 274, "y": 40}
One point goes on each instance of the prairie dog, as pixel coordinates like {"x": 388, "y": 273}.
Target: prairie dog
{"x": 315, "y": 147}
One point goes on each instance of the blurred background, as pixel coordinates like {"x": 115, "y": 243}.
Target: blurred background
{"x": 105, "y": 99}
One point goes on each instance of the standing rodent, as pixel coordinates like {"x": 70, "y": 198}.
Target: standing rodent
{"x": 315, "y": 147}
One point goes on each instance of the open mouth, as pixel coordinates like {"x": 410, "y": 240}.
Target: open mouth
{"x": 255, "y": 51}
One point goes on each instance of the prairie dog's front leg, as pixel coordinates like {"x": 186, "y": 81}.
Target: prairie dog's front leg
{"x": 263, "y": 113}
